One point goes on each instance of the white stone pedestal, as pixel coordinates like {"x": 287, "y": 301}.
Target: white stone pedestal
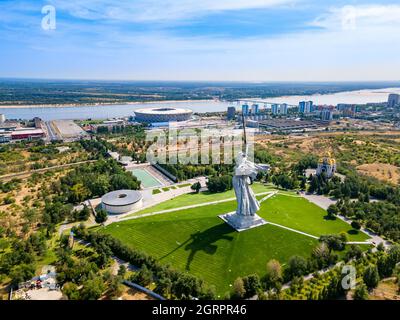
{"x": 242, "y": 223}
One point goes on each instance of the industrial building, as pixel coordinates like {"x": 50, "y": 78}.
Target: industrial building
{"x": 156, "y": 115}
{"x": 28, "y": 133}
{"x": 287, "y": 125}
{"x": 67, "y": 130}
{"x": 122, "y": 201}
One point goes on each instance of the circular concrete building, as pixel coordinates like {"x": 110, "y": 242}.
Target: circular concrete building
{"x": 121, "y": 201}
{"x": 168, "y": 114}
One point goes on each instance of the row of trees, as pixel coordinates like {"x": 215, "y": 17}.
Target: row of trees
{"x": 324, "y": 255}
{"x": 169, "y": 282}
{"x": 18, "y": 263}
{"x": 94, "y": 180}
{"x": 370, "y": 268}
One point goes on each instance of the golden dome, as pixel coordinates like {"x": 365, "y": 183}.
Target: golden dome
{"x": 327, "y": 159}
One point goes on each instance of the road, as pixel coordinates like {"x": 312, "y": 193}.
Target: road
{"x": 30, "y": 172}
{"x": 51, "y": 136}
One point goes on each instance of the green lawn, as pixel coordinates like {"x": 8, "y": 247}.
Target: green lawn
{"x": 193, "y": 198}
{"x": 184, "y": 185}
{"x": 300, "y": 214}
{"x": 198, "y": 241}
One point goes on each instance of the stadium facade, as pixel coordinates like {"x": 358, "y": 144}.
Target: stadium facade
{"x": 156, "y": 115}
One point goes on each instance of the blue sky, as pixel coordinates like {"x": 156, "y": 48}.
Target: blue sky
{"x": 238, "y": 40}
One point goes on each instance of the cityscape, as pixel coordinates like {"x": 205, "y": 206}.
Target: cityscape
{"x": 144, "y": 160}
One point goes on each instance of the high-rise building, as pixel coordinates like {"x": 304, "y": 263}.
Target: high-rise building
{"x": 255, "y": 109}
{"x": 245, "y": 109}
{"x": 326, "y": 115}
{"x": 306, "y": 107}
{"x": 2, "y": 118}
{"x": 302, "y": 107}
{"x": 394, "y": 100}
{"x": 283, "y": 108}
{"x": 279, "y": 108}
{"x": 309, "y": 107}
{"x": 347, "y": 110}
{"x": 231, "y": 113}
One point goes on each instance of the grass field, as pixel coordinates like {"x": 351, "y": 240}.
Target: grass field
{"x": 300, "y": 214}
{"x": 197, "y": 241}
{"x": 193, "y": 198}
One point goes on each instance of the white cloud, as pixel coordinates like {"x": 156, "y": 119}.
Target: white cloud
{"x": 156, "y": 10}
{"x": 362, "y": 16}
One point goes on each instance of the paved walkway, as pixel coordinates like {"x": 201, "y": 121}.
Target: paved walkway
{"x": 269, "y": 193}
{"x": 151, "y": 200}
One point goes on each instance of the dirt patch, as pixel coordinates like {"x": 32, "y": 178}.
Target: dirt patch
{"x": 131, "y": 294}
{"x": 386, "y": 290}
{"x": 381, "y": 171}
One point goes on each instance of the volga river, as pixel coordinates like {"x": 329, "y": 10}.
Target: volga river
{"x": 125, "y": 110}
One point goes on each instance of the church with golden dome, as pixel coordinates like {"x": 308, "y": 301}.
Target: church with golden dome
{"x": 327, "y": 164}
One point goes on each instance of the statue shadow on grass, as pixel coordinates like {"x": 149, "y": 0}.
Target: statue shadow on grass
{"x": 204, "y": 241}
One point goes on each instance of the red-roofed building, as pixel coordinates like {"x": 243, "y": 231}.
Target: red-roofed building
{"x": 27, "y": 134}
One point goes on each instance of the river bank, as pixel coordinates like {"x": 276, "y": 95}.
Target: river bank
{"x": 78, "y": 105}
{"x": 117, "y": 110}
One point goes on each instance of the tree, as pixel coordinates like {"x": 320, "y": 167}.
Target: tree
{"x": 79, "y": 193}
{"x": 251, "y": 285}
{"x": 356, "y": 225}
{"x": 273, "y": 276}
{"x": 122, "y": 271}
{"x": 101, "y": 216}
{"x": 297, "y": 267}
{"x": 361, "y": 292}
{"x": 354, "y": 252}
{"x": 334, "y": 242}
{"x": 380, "y": 247}
{"x": 333, "y": 211}
{"x": 82, "y": 215}
{"x": 219, "y": 184}
{"x": 238, "y": 289}
{"x": 93, "y": 288}
{"x": 371, "y": 277}
{"x": 196, "y": 187}
{"x": 321, "y": 254}
{"x": 115, "y": 287}
{"x": 71, "y": 290}
{"x": 144, "y": 277}
{"x": 296, "y": 284}
{"x": 186, "y": 286}
{"x": 163, "y": 287}
{"x": 124, "y": 181}
{"x": 22, "y": 273}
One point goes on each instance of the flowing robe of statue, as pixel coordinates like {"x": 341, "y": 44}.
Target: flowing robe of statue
{"x": 244, "y": 170}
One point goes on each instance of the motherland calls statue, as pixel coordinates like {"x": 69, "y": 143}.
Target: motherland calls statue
{"x": 245, "y": 216}
{"x": 246, "y": 170}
